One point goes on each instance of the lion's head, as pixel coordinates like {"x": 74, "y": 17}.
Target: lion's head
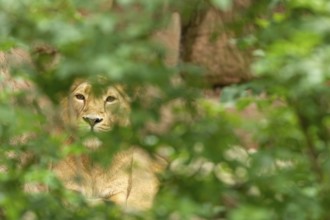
{"x": 95, "y": 109}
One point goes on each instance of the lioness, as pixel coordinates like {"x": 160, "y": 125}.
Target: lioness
{"x": 130, "y": 180}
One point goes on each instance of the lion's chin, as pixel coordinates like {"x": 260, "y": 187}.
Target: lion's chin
{"x": 92, "y": 143}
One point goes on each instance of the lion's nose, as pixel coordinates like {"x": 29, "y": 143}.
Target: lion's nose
{"x": 92, "y": 120}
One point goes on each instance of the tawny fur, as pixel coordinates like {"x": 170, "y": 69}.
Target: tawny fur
{"x": 131, "y": 178}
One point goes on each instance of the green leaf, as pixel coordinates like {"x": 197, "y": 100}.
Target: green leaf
{"x": 224, "y": 5}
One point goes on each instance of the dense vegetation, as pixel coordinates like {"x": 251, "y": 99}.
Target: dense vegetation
{"x": 213, "y": 174}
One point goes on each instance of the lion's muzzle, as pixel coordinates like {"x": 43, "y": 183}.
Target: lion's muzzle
{"x": 92, "y": 120}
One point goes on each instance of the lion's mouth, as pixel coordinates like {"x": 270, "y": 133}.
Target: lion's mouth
{"x": 100, "y": 129}
{"x": 93, "y": 143}
{"x": 94, "y": 129}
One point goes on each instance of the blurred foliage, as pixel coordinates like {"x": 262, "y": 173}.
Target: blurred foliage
{"x": 213, "y": 173}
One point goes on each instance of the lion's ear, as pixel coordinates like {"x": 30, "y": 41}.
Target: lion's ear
{"x": 45, "y": 57}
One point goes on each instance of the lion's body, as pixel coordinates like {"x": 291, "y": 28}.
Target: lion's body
{"x": 130, "y": 180}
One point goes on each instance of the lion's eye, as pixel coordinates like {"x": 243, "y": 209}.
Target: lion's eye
{"x": 80, "y": 96}
{"x": 111, "y": 99}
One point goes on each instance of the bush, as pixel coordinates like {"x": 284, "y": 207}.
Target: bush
{"x": 213, "y": 174}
